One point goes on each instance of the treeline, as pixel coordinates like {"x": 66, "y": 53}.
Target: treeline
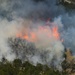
{"x": 18, "y": 68}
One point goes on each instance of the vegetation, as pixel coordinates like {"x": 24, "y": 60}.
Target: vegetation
{"x": 18, "y": 68}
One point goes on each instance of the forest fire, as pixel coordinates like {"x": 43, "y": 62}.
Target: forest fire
{"x": 33, "y": 36}
{"x": 29, "y": 37}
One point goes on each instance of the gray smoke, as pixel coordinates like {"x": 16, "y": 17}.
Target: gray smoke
{"x": 48, "y": 49}
{"x": 25, "y": 16}
{"x": 7, "y": 29}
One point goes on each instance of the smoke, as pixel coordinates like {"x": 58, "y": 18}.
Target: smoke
{"x": 7, "y": 30}
{"x": 31, "y": 9}
{"x": 26, "y": 16}
{"x": 43, "y": 47}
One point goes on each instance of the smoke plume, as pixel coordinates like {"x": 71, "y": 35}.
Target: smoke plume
{"x": 51, "y": 23}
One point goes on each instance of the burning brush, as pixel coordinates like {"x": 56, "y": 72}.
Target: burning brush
{"x": 39, "y": 45}
{"x": 34, "y": 42}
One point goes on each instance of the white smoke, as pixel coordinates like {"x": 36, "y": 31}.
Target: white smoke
{"x": 53, "y": 46}
{"x": 7, "y": 30}
{"x": 28, "y": 13}
{"x": 48, "y": 49}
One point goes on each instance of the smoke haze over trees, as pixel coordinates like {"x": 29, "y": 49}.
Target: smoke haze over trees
{"x": 26, "y": 16}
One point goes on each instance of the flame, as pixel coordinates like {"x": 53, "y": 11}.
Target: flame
{"x": 32, "y": 35}
{"x": 56, "y": 33}
{"x": 29, "y": 37}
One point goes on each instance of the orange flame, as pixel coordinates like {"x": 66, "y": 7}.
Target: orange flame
{"x": 56, "y": 33}
{"x": 32, "y": 36}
